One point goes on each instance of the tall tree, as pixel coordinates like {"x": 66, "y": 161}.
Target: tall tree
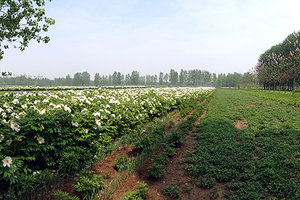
{"x": 119, "y": 78}
{"x": 280, "y": 64}
{"x": 114, "y": 78}
{"x": 135, "y": 77}
{"x": 215, "y": 79}
{"x": 97, "y": 79}
{"x": 127, "y": 79}
{"x": 77, "y": 80}
{"x": 155, "y": 79}
{"x": 161, "y": 78}
{"x": 148, "y": 80}
{"x": 166, "y": 78}
{"x": 86, "y": 78}
{"x": 182, "y": 77}
{"x": 173, "y": 77}
{"x": 142, "y": 80}
{"x": 21, "y": 22}
{"x": 68, "y": 80}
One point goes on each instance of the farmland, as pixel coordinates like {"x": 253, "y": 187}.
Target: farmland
{"x": 249, "y": 144}
{"x": 149, "y": 100}
{"x": 49, "y": 133}
{"x": 285, "y": 97}
{"x": 155, "y": 143}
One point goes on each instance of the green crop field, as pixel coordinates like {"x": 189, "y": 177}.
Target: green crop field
{"x": 286, "y": 97}
{"x": 245, "y": 146}
{"x": 149, "y": 100}
{"x": 251, "y": 144}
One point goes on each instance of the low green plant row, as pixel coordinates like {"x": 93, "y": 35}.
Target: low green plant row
{"x": 55, "y": 134}
{"x": 89, "y": 185}
{"x": 191, "y": 104}
{"x": 146, "y": 143}
{"x": 260, "y": 161}
{"x": 139, "y": 194}
{"x": 152, "y": 136}
{"x": 286, "y": 97}
{"x": 174, "y": 140}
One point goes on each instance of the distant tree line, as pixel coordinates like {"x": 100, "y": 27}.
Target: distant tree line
{"x": 278, "y": 68}
{"x": 173, "y": 78}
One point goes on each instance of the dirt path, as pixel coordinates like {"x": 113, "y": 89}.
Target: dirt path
{"x": 106, "y": 167}
{"x": 175, "y": 175}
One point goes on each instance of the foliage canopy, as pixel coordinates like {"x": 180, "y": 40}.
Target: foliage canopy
{"x": 22, "y": 21}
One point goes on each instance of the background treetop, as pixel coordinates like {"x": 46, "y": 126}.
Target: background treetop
{"x": 22, "y": 21}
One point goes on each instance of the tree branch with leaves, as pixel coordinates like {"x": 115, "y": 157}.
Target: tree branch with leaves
{"x": 22, "y": 21}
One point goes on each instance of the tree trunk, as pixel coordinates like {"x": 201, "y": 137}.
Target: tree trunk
{"x": 294, "y": 82}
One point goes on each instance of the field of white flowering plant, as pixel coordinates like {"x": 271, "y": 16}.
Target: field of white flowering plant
{"x": 41, "y": 88}
{"x": 53, "y": 130}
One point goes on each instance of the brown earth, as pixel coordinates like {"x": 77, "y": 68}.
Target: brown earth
{"x": 240, "y": 124}
{"x": 106, "y": 167}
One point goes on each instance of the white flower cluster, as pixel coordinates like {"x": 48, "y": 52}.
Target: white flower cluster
{"x": 103, "y": 106}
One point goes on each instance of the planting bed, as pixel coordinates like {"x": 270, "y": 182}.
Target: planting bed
{"x": 47, "y": 137}
{"x": 259, "y": 160}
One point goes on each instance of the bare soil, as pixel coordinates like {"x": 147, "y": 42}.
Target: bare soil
{"x": 106, "y": 167}
{"x": 251, "y": 105}
{"x": 240, "y": 124}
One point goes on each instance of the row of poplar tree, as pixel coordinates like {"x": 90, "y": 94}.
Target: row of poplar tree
{"x": 173, "y": 78}
{"x": 278, "y": 68}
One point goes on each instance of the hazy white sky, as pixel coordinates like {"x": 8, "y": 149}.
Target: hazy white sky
{"x": 155, "y": 35}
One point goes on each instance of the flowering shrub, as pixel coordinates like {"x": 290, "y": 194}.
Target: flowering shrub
{"x": 63, "y": 130}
